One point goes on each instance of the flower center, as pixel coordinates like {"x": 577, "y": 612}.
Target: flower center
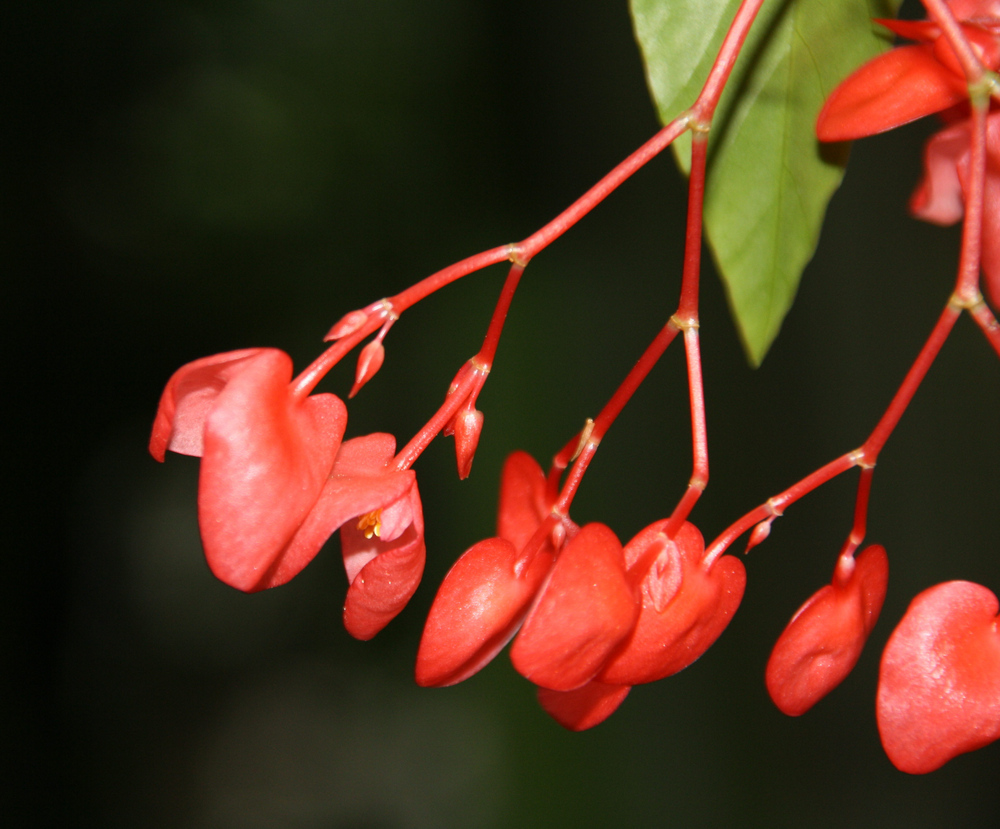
{"x": 371, "y": 523}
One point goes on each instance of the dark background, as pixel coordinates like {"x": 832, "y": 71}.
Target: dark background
{"x": 184, "y": 178}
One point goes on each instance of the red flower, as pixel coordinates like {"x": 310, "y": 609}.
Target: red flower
{"x": 585, "y": 608}
{"x": 909, "y": 82}
{"x": 939, "y": 681}
{"x": 686, "y": 603}
{"x": 940, "y": 196}
{"x": 487, "y": 593}
{"x": 266, "y": 454}
{"x": 822, "y": 643}
{"x": 594, "y": 618}
{"x": 377, "y": 509}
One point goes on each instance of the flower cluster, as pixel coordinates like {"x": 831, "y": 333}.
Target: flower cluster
{"x": 587, "y": 617}
{"x": 939, "y": 679}
{"x": 277, "y": 479}
{"x": 591, "y": 618}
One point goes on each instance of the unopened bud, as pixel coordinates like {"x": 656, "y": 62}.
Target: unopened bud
{"x": 369, "y": 362}
{"x": 759, "y": 534}
{"x": 468, "y": 426}
{"x": 348, "y": 324}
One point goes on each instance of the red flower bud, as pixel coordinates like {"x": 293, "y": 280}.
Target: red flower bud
{"x": 347, "y": 324}
{"x": 467, "y": 429}
{"x": 823, "y": 641}
{"x": 370, "y": 360}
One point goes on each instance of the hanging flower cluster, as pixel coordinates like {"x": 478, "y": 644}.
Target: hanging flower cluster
{"x": 939, "y": 681}
{"x": 587, "y": 617}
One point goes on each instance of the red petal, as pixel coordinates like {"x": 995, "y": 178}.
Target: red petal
{"x": 523, "y": 504}
{"x": 939, "y": 198}
{"x": 586, "y": 609}
{"x": 900, "y": 86}
{"x": 584, "y": 707}
{"x": 387, "y": 582}
{"x": 920, "y": 30}
{"x": 266, "y": 458}
{"x": 980, "y": 11}
{"x": 189, "y": 396}
{"x": 939, "y": 682}
{"x": 477, "y": 610}
{"x": 822, "y": 643}
{"x": 680, "y": 618}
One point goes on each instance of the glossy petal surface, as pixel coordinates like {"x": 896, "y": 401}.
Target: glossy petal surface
{"x": 523, "y": 503}
{"x": 478, "y": 608}
{"x": 586, "y": 608}
{"x": 939, "y": 681}
{"x": 265, "y": 459}
{"x": 685, "y": 606}
{"x": 823, "y": 641}
{"x": 900, "y": 86}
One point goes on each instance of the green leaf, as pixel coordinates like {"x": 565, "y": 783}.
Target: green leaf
{"x": 769, "y": 179}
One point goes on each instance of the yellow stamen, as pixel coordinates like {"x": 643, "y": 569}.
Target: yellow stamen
{"x": 371, "y": 523}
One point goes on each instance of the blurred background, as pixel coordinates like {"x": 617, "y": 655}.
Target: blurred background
{"x": 187, "y": 177}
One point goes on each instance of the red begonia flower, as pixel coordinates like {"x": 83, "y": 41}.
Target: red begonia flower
{"x": 823, "y": 641}
{"x": 585, "y": 609}
{"x": 909, "y": 82}
{"x": 478, "y": 609}
{"x": 266, "y": 454}
{"x": 939, "y": 681}
{"x": 900, "y": 86}
{"x": 685, "y": 604}
{"x": 940, "y": 196}
{"x": 487, "y": 593}
{"x": 377, "y": 509}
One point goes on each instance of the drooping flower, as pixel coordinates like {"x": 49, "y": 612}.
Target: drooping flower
{"x": 486, "y": 595}
{"x": 266, "y": 454}
{"x": 824, "y": 639}
{"x": 924, "y": 78}
{"x": 939, "y": 680}
{"x": 377, "y": 509}
{"x": 586, "y": 607}
{"x": 910, "y": 82}
{"x": 686, "y": 604}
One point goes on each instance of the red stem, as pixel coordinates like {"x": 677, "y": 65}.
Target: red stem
{"x": 611, "y": 410}
{"x": 470, "y": 379}
{"x": 914, "y": 377}
{"x": 776, "y": 506}
{"x": 860, "y": 527}
{"x": 988, "y": 323}
{"x": 492, "y": 339}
